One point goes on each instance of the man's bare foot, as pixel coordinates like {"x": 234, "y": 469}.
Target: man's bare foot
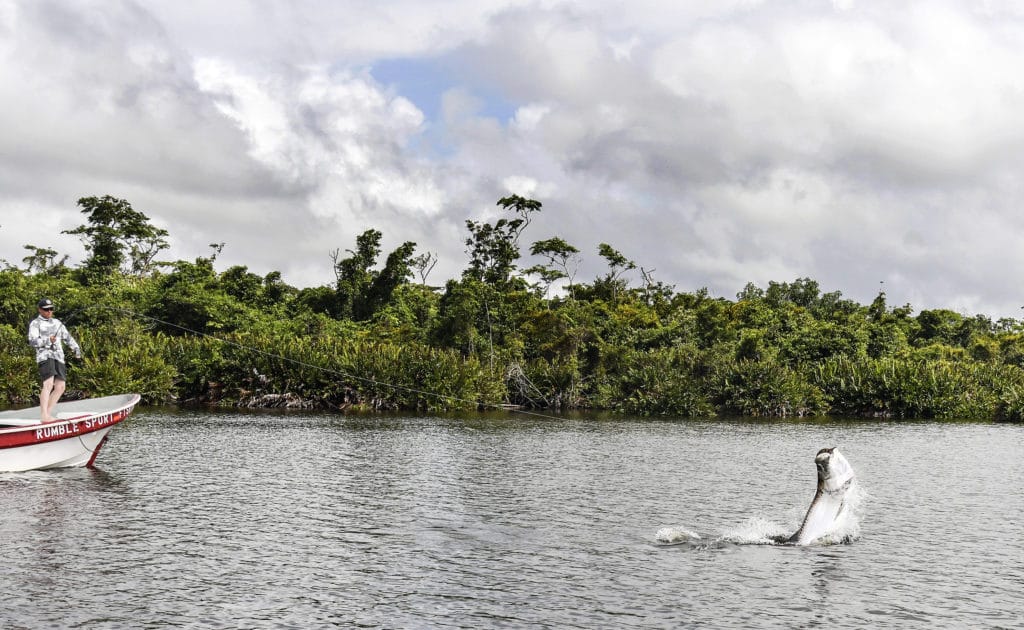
{"x": 48, "y": 420}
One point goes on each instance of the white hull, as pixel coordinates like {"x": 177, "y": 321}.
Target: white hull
{"x": 67, "y": 453}
{"x": 75, "y": 440}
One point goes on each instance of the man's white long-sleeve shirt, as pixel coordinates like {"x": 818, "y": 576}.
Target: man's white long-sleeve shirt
{"x": 41, "y": 329}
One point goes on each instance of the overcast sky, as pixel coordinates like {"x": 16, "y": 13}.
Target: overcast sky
{"x": 717, "y": 142}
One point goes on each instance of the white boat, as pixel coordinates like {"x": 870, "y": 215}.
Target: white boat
{"x": 74, "y": 439}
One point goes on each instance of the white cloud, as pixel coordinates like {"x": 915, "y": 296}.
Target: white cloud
{"x": 718, "y": 142}
{"x": 529, "y": 116}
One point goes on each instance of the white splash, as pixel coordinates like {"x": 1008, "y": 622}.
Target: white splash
{"x": 673, "y": 535}
{"x": 756, "y": 531}
{"x": 847, "y": 527}
{"x": 827, "y": 528}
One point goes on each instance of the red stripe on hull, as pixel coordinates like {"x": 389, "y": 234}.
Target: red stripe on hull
{"x": 53, "y": 431}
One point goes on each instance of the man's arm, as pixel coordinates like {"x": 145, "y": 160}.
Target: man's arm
{"x": 35, "y": 338}
{"x": 68, "y": 339}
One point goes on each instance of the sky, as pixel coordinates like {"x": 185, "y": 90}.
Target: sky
{"x": 866, "y": 145}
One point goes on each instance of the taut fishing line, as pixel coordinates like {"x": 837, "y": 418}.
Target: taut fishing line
{"x": 304, "y": 364}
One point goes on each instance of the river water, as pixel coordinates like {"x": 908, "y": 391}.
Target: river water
{"x": 270, "y": 520}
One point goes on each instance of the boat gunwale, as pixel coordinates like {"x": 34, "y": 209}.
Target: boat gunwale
{"x": 11, "y": 436}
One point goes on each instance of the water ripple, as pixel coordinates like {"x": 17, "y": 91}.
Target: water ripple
{"x": 226, "y": 520}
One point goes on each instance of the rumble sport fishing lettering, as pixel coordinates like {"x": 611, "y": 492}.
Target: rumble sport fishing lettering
{"x": 79, "y": 426}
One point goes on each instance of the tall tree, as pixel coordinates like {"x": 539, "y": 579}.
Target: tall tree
{"x": 563, "y": 261}
{"x": 361, "y": 290}
{"x": 117, "y": 237}
{"x": 355, "y": 273}
{"x": 43, "y": 260}
{"x": 424, "y": 264}
{"x": 397, "y": 270}
{"x": 494, "y": 249}
{"x": 612, "y": 284}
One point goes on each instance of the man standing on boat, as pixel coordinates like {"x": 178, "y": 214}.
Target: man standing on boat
{"x": 48, "y": 335}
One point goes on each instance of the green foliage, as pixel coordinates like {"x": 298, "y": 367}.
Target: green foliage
{"x": 547, "y": 383}
{"x": 343, "y": 371}
{"x": 198, "y": 363}
{"x": 456, "y": 325}
{"x": 562, "y": 258}
{"x": 44, "y": 260}
{"x": 397, "y": 270}
{"x": 123, "y": 357}
{"x": 612, "y": 285}
{"x": 917, "y": 388}
{"x": 765, "y": 388}
{"x": 18, "y": 367}
{"x": 494, "y": 248}
{"x": 408, "y": 316}
{"x": 1011, "y": 349}
{"x": 242, "y": 285}
{"x": 360, "y": 290}
{"x": 192, "y": 300}
{"x": 1011, "y": 403}
{"x": 185, "y": 331}
{"x": 318, "y": 300}
{"x": 937, "y": 326}
{"x": 354, "y": 274}
{"x": 17, "y": 298}
{"x": 662, "y": 382}
{"x": 117, "y": 237}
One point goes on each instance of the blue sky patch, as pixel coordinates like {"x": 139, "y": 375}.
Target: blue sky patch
{"x": 424, "y": 81}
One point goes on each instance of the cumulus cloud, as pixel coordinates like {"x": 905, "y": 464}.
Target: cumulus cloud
{"x": 854, "y": 142}
{"x": 337, "y": 135}
{"x": 849, "y": 144}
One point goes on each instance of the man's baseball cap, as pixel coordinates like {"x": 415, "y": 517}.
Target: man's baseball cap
{"x": 46, "y": 303}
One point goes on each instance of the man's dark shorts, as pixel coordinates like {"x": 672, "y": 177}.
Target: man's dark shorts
{"x": 54, "y": 368}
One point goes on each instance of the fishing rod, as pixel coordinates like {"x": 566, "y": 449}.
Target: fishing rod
{"x": 340, "y": 373}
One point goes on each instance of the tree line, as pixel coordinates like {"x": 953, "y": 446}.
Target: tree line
{"x": 380, "y": 337}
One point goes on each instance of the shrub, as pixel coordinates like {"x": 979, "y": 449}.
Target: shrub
{"x": 18, "y": 367}
{"x": 662, "y": 382}
{"x": 766, "y": 388}
{"x": 912, "y": 387}
{"x": 123, "y": 357}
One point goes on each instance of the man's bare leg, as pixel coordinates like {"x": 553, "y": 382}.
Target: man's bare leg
{"x": 44, "y": 399}
{"x": 55, "y": 394}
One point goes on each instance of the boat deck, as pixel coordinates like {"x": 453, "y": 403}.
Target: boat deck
{"x": 71, "y": 410}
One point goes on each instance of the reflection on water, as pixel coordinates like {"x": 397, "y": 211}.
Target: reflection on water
{"x": 271, "y": 520}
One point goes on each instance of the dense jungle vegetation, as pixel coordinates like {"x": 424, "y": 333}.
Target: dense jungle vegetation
{"x": 380, "y": 337}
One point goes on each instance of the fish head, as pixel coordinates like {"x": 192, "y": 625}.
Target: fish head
{"x": 834, "y": 472}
